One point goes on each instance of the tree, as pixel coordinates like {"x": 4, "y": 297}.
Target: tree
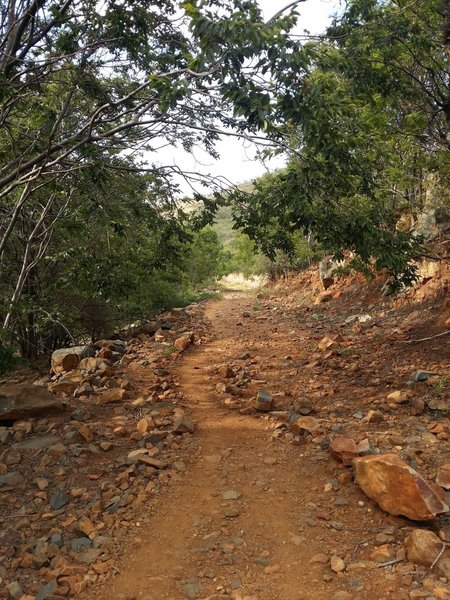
{"x": 89, "y": 94}
{"x": 370, "y": 123}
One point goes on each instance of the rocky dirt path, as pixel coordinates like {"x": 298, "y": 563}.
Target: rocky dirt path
{"x": 245, "y": 520}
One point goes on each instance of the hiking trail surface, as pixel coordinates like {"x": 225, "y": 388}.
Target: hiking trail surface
{"x": 257, "y": 514}
{"x": 214, "y": 452}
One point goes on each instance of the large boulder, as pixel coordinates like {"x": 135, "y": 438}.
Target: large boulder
{"x": 25, "y": 400}
{"x": 67, "y": 359}
{"x": 397, "y": 488}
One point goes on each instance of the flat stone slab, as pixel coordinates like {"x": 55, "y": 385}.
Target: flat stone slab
{"x": 25, "y": 400}
{"x": 38, "y": 442}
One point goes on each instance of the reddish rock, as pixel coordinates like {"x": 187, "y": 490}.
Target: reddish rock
{"x": 304, "y": 425}
{"x": 398, "y": 488}
{"x": 422, "y": 547}
{"x": 343, "y": 450}
{"x": 323, "y": 297}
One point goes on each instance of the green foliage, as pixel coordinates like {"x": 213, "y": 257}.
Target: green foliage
{"x": 8, "y": 359}
{"x": 371, "y": 121}
{"x": 206, "y": 261}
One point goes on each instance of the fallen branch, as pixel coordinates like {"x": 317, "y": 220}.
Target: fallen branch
{"x": 439, "y": 555}
{"x": 425, "y": 339}
{"x": 390, "y": 563}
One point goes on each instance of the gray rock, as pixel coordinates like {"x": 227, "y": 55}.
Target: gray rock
{"x": 80, "y": 544}
{"x": 38, "y": 442}
{"x": 422, "y": 375}
{"x": 80, "y": 414}
{"x": 264, "y": 401}
{"x": 12, "y": 478}
{"x": 57, "y": 539}
{"x": 231, "y": 495}
{"x": 5, "y": 435}
{"x": 58, "y": 500}
{"x": 14, "y": 590}
{"x": 46, "y": 590}
{"x": 192, "y": 588}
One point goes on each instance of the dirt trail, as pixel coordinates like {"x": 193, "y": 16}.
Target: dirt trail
{"x": 201, "y": 542}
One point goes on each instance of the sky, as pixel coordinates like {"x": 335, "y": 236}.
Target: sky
{"x": 237, "y": 161}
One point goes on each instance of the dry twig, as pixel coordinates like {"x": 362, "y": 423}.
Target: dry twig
{"x": 425, "y": 339}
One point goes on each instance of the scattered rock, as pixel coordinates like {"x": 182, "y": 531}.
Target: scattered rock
{"x": 14, "y": 590}
{"x": 337, "y": 564}
{"x": 112, "y": 395}
{"x": 183, "y": 342}
{"x": 326, "y": 343}
{"x": 364, "y": 448}
{"x": 375, "y": 416}
{"x": 422, "y": 547}
{"x": 303, "y": 406}
{"x": 398, "y": 488}
{"x": 304, "y": 425}
{"x": 439, "y": 404}
{"x": 399, "y": 397}
{"x": 443, "y": 476}
{"x": 383, "y": 553}
{"x": 231, "y": 495}
{"x": 183, "y": 424}
{"x": 417, "y": 406}
{"x": 343, "y": 450}
{"x": 58, "y": 500}
{"x": 263, "y": 401}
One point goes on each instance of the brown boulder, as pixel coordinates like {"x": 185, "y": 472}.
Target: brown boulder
{"x": 25, "y": 400}
{"x": 64, "y": 386}
{"x": 67, "y": 359}
{"x": 422, "y": 547}
{"x": 343, "y": 450}
{"x": 397, "y": 488}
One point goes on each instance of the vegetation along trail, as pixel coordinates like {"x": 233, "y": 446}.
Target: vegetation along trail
{"x": 246, "y": 521}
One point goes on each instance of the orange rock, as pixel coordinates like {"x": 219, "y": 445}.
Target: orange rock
{"x": 398, "y": 488}
{"x": 326, "y": 343}
{"x": 324, "y": 296}
{"x": 112, "y": 395}
{"x": 182, "y": 342}
{"x": 304, "y": 425}
{"x": 343, "y": 450}
{"x": 226, "y": 372}
{"x": 142, "y": 426}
